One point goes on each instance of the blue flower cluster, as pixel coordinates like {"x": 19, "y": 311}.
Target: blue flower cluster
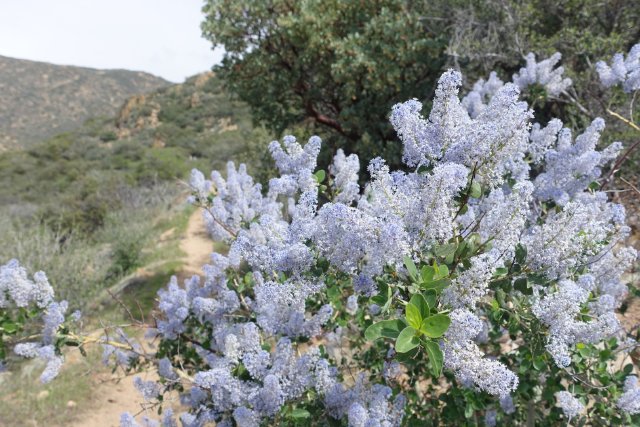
{"x": 280, "y": 236}
{"x": 253, "y": 339}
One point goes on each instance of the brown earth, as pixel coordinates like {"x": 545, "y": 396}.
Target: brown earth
{"x": 115, "y": 394}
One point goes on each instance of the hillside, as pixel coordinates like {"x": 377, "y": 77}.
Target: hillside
{"x": 75, "y": 177}
{"x": 102, "y": 207}
{"x": 39, "y": 100}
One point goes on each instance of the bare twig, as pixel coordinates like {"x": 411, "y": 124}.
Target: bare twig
{"x": 627, "y": 153}
{"x": 619, "y": 162}
{"x": 119, "y": 301}
{"x": 630, "y": 185}
{"x": 623, "y": 119}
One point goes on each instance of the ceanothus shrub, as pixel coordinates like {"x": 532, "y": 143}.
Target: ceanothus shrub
{"x": 478, "y": 284}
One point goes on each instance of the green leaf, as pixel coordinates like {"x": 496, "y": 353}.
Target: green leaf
{"x": 475, "y": 190}
{"x": 443, "y": 271}
{"x": 419, "y": 301}
{"x": 299, "y": 413}
{"x": 387, "y": 304}
{"x": 334, "y": 293}
{"x": 431, "y": 297}
{"x": 427, "y": 273}
{"x": 585, "y": 352}
{"x": 414, "y": 318}
{"x": 436, "y": 325}
{"x": 449, "y": 259}
{"x": 383, "y": 294}
{"x": 407, "y": 340}
{"x": 10, "y": 327}
{"x": 500, "y": 271}
{"x": 521, "y": 254}
{"x": 522, "y": 285}
{"x": 435, "y": 357}
{"x": 385, "y": 328}
{"x": 437, "y": 285}
{"x": 320, "y": 175}
{"x": 411, "y": 268}
{"x": 446, "y": 249}
{"x": 468, "y": 411}
{"x": 539, "y": 363}
{"x": 409, "y": 357}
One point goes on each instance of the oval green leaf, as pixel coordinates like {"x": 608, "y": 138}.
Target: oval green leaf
{"x": 384, "y": 329}
{"x": 435, "y": 357}
{"x": 407, "y": 340}
{"x": 435, "y": 326}
{"x": 476, "y": 190}
{"x": 414, "y": 318}
{"x": 423, "y": 305}
{"x": 437, "y": 285}
{"x": 411, "y": 267}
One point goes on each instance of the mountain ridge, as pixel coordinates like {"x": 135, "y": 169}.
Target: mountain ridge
{"x": 40, "y": 99}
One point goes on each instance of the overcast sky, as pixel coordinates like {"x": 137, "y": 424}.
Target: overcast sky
{"x": 161, "y": 37}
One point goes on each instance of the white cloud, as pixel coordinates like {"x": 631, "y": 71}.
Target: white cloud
{"x": 157, "y": 36}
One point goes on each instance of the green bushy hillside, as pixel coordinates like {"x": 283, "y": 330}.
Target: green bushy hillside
{"x": 39, "y": 100}
{"x": 83, "y": 204}
{"x": 74, "y": 178}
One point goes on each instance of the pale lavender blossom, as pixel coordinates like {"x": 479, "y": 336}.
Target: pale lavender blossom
{"x": 352, "y": 305}
{"x": 353, "y": 240}
{"x": 543, "y": 73}
{"x": 17, "y": 289}
{"x": 199, "y": 185}
{"x": 149, "y": 389}
{"x": 127, "y": 420}
{"x": 476, "y": 101}
{"x": 466, "y": 360}
{"x": 622, "y": 70}
{"x": 569, "y": 167}
{"x": 54, "y": 363}
{"x": 569, "y": 404}
{"x": 506, "y": 403}
{"x": 630, "y": 399}
{"x": 344, "y": 170}
{"x": 490, "y": 418}
{"x": 165, "y": 369}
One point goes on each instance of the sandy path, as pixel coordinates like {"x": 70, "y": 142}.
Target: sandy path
{"x": 197, "y": 245}
{"x": 112, "y": 398}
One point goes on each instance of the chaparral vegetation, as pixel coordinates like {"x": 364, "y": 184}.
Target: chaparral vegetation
{"x": 473, "y": 280}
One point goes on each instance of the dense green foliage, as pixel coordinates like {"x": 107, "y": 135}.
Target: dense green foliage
{"x": 495, "y": 35}
{"x": 82, "y": 204}
{"x": 73, "y": 179}
{"x": 339, "y": 66}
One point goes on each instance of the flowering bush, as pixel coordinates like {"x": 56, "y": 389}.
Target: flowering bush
{"x": 481, "y": 281}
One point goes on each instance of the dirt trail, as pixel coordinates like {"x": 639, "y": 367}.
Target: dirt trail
{"x": 112, "y": 398}
{"x": 197, "y": 245}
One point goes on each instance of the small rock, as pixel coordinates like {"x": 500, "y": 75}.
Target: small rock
{"x": 71, "y": 404}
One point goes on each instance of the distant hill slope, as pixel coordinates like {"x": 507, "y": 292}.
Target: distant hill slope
{"x": 39, "y": 100}
{"x": 76, "y": 177}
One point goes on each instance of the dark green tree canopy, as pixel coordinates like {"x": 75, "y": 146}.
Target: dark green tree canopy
{"x": 338, "y": 66}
